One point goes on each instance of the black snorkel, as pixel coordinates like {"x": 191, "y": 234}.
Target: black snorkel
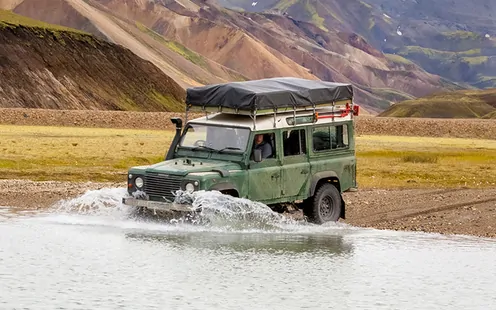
{"x": 179, "y": 124}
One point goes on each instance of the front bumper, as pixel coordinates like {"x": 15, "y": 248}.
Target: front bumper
{"x": 157, "y": 205}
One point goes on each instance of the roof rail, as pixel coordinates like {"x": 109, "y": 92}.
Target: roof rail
{"x": 253, "y": 113}
{"x": 271, "y": 96}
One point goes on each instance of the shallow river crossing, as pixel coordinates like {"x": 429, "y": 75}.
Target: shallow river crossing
{"x": 89, "y": 253}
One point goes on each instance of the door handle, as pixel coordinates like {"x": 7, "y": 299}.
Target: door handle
{"x": 304, "y": 171}
{"x": 275, "y": 175}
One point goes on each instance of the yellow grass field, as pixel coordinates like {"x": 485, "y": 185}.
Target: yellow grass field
{"x": 77, "y": 154}
{"x": 101, "y": 154}
{"x": 420, "y": 162}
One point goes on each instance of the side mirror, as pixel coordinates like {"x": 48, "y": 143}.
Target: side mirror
{"x": 257, "y": 155}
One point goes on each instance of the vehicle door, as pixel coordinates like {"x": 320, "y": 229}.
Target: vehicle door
{"x": 264, "y": 178}
{"x": 295, "y": 167}
{"x": 333, "y": 150}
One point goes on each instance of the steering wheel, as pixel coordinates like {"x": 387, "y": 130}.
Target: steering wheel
{"x": 200, "y": 143}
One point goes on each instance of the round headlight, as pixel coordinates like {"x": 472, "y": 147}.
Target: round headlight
{"x": 138, "y": 182}
{"x": 190, "y": 187}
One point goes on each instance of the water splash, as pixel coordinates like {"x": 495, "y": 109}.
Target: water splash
{"x": 230, "y": 212}
{"x": 219, "y": 213}
{"x": 102, "y": 202}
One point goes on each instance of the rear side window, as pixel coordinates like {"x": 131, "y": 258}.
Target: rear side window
{"x": 332, "y": 137}
{"x": 294, "y": 142}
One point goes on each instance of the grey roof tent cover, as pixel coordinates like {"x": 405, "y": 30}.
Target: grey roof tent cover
{"x": 269, "y": 93}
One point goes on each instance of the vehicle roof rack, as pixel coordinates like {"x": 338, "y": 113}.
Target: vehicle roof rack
{"x": 270, "y": 96}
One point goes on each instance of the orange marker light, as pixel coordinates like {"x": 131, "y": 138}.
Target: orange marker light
{"x": 356, "y": 109}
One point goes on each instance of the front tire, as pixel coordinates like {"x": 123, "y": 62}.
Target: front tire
{"x": 325, "y": 205}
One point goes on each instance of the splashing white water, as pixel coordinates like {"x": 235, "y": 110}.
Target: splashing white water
{"x": 219, "y": 213}
{"x": 102, "y": 202}
{"x": 218, "y": 209}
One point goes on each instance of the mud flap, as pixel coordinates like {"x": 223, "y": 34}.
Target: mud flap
{"x": 343, "y": 209}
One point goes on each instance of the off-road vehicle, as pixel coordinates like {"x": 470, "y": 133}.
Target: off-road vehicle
{"x": 306, "y": 158}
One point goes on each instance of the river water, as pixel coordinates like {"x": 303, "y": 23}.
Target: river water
{"x": 90, "y": 253}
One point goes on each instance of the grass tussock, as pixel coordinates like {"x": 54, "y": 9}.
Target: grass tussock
{"x": 420, "y": 158}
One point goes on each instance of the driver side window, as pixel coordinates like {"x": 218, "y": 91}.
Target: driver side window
{"x": 266, "y": 143}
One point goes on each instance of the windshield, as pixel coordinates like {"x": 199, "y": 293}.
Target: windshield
{"x": 216, "y": 138}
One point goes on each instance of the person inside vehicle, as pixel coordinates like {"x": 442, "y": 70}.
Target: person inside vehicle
{"x": 260, "y": 143}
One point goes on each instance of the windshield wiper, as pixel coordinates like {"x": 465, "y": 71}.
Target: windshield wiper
{"x": 230, "y": 148}
{"x": 204, "y": 147}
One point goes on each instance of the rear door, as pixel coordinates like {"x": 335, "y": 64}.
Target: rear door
{"x": 333, "y": 150}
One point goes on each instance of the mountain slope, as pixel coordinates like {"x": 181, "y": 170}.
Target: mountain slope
{"x": 450, "y": 38}
{"x": 184, "y": 65}
{"x": 170, "y": 60}
{"x": 198, "y": 42}
{"x": 52, "y": 67}
{"x": 245, "y": 41}
{"x": 458, "y": 104}
{"x": 53, "y": 11}
{"x": 212, "y": 37}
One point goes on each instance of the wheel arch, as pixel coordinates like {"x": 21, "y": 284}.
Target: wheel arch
{"x": 323, "y": 177}
{"x": 226, "y": 188}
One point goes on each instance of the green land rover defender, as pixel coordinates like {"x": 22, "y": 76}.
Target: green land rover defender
{"x": 277, "y": 141}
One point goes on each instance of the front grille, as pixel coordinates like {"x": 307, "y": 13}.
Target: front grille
{"x": 162, "y": 185}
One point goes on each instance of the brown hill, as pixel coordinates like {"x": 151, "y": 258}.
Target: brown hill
{"x": 186, "y": 67}
{"x": 52, "y": 67}
{"x": 458, "y": 104}
{"x": 199, "y": 43}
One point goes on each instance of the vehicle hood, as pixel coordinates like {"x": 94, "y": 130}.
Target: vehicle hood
{"x": 185, "y": 166}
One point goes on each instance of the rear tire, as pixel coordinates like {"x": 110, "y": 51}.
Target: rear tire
{"x": 325, "y": 205}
